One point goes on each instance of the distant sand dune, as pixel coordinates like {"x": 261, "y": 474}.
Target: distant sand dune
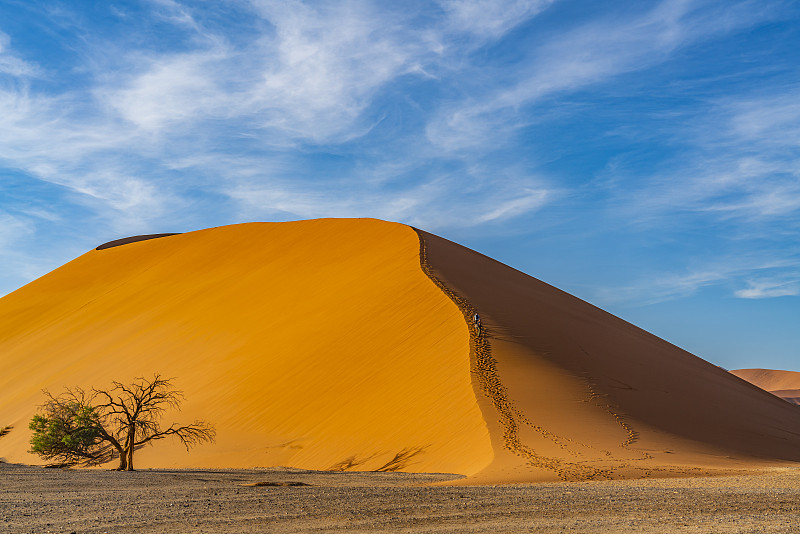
{"x": 348, "y": 344}
{"x": 784, "y": 384}
{"x": 789, "y": 395}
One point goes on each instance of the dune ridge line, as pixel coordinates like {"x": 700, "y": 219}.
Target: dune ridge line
{"x": 489, "y": 382}
{"x": 583, "y": 395}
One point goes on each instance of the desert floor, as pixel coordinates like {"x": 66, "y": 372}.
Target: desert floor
{"x": 34, "y": 499}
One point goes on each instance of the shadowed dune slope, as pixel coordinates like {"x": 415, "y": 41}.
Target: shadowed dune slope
{"x": 314, "y": 344}
{"x": 784, "y": 384}
{"x": 572, "y": 392}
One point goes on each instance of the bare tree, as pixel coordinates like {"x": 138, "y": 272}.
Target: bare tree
{"x": 93, "y": 428}
{"x": 132, "y": 417}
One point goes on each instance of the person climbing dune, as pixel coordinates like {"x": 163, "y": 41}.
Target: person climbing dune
{"x": 476, "y": 321}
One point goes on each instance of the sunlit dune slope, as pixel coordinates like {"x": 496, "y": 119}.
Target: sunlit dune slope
{"x": 784, "y": 384}
{"x": 314, "y": 344}
{"x": 572, "y": 392}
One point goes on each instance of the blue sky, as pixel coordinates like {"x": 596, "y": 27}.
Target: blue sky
{"x": 644, "y": 156}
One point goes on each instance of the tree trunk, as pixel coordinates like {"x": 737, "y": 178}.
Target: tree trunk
{"x": 129, "y": 446}
{"x": 123, "y": 462}
{"x": 130, "y": 456}
{"x": 123, "y": 459}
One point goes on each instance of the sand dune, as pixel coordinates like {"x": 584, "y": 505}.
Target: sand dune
{"x": 311, "y": 344}
{"x": 784, "y": 384}
{"x": 572, "y": 392}
{"x": 349, "y": 344}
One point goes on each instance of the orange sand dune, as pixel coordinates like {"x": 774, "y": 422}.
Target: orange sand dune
{"x": 784, "y": 384}
{"x": 345, "y": 344}
{"x": 309, "y": 344}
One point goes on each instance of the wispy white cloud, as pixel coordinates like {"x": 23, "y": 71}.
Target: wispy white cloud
{"x": 309, "y": 79}
{"x": 741, "y": 166}
{"x": 175, "y": 13}
{"x": 440, "y": 201}
{"x": 40, "y": 136}
{"x": 19, "y": 266}
{"x": 736, "y": 179}
{"x": 13, "y": 229}
{"x": 771, "y": 119}
{"x": 528, "y": 200}
{"x": 591, "y": 54}
{"x": 770, "y": 288}
{"x": 490, "y": 18}
{"x": 764, "y": 278}
{"x": 318, "y": 76}
{"x": 172, "y": 91}
{"x": 659, "y": 287}
{"x": 12, "y": 65}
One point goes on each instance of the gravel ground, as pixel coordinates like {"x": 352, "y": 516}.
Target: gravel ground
{"x": 37, "y": 500}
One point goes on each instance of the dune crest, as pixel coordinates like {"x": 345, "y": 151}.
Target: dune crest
{"x": 349, "y": 344}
